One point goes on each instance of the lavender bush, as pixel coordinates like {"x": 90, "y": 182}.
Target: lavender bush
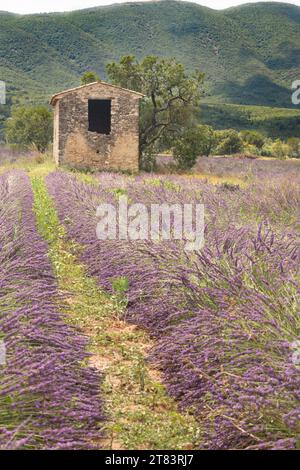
{"x": 49, "y": 398}
{"x": 224, "y": 319}
{"x": 241, "y": 167}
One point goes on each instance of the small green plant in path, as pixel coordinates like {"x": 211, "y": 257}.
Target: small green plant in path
{"x": 140, "y": 414}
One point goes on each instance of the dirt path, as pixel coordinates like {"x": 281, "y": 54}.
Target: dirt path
{"x": 140, "y": 413}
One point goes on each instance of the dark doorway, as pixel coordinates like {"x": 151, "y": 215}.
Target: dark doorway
{"x": 100, "y": 116}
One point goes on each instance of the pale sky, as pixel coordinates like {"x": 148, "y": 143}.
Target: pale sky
{"x": 39, "y": 6}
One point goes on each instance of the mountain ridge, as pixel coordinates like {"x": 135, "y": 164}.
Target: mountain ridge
{"x": 250, "y": 53}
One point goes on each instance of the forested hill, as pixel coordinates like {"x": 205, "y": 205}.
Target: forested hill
{"x": 251, "y": 53}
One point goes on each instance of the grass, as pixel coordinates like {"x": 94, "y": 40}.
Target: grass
{"x": 140, "y": 413}
{"x": 38, "y": 165}
{"x": 216, "y": 180}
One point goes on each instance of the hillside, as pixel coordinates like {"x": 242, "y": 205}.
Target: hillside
{"x": 273, "y": 122}
{"x": 250, "y": 53}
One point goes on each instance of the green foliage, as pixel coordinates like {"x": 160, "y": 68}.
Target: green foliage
{"x": 229, "y": 142}
{"x": 243, "y": 64}
{"x": 171, "y": 95}
{"x": 4, "y": 114}
{"x": 120, "y": 285}
{"x": 194, "y": 141}
{"x": 148, "y": 159}
{"x": 118, "y": 192}
{"x": 207, "y": 139}
{"x": 89, "y": 77}
{"x": 187, "y": 147}
{"x": 250, "y": 149}
{"x": 294, "y": 147}
{"x": 30, "y": 126}
{"x": 266, "y": 151}
{"x": 272, "y": 122}
{"x": 279, "y": 149}
{"x": 253, "y": 138}
{"x": 246, "y": 64}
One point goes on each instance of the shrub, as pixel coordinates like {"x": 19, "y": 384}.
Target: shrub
{"x": 253, "y": 138}
{"x": 251, "y": 150}
{"x": 279, "y": 149}
{"x": 229, "y": 142}
{"x": 207, "y": 139}
{"x": 89, "y": 77}
{"x": 266, "y": 150}
{"x": 294, "y": 147}
{"x": 30, "y": 126}
{"x": 187, "y": 148}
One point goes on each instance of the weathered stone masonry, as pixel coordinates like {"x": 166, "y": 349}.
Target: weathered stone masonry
{"x": 76, "y": 146}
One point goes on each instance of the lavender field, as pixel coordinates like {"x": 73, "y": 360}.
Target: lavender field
{"x": 223, "y": 321}
{"x": 49, "y": 400}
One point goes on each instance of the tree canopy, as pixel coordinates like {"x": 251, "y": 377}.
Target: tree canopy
{"x": 89, "y": 77}
{"x": 30, "y": 126}
{"x": 172, "y": 95}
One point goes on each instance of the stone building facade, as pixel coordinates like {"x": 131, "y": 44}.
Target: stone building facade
{"x": 97, "y": 126}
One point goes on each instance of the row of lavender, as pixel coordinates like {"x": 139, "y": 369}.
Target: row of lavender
{"x": 49, "y": 400}
{"x": 225, "y": 319}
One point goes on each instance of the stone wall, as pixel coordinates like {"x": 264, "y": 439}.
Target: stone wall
{"x": 76, "y": 146}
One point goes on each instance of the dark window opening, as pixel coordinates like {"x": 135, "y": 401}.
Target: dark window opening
{"x": 100, "y": 116}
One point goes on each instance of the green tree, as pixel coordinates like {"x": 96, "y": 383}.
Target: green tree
{"x": 29, "y": 126}
{"x": 279, "y": 149}
{"x": 89, "y": 77}
{"x": 229, "y": 142}
{"x": 253, "y": 138}
{"x": 206, "y": 137}
{"x": 187, "y": 148}
{"x": 193, "y": 142}
{"x": 172, "y": 96}
{"x": 294, "y": 146}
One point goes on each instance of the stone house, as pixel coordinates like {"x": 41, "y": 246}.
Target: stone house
{"x": 97, "y": 126}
